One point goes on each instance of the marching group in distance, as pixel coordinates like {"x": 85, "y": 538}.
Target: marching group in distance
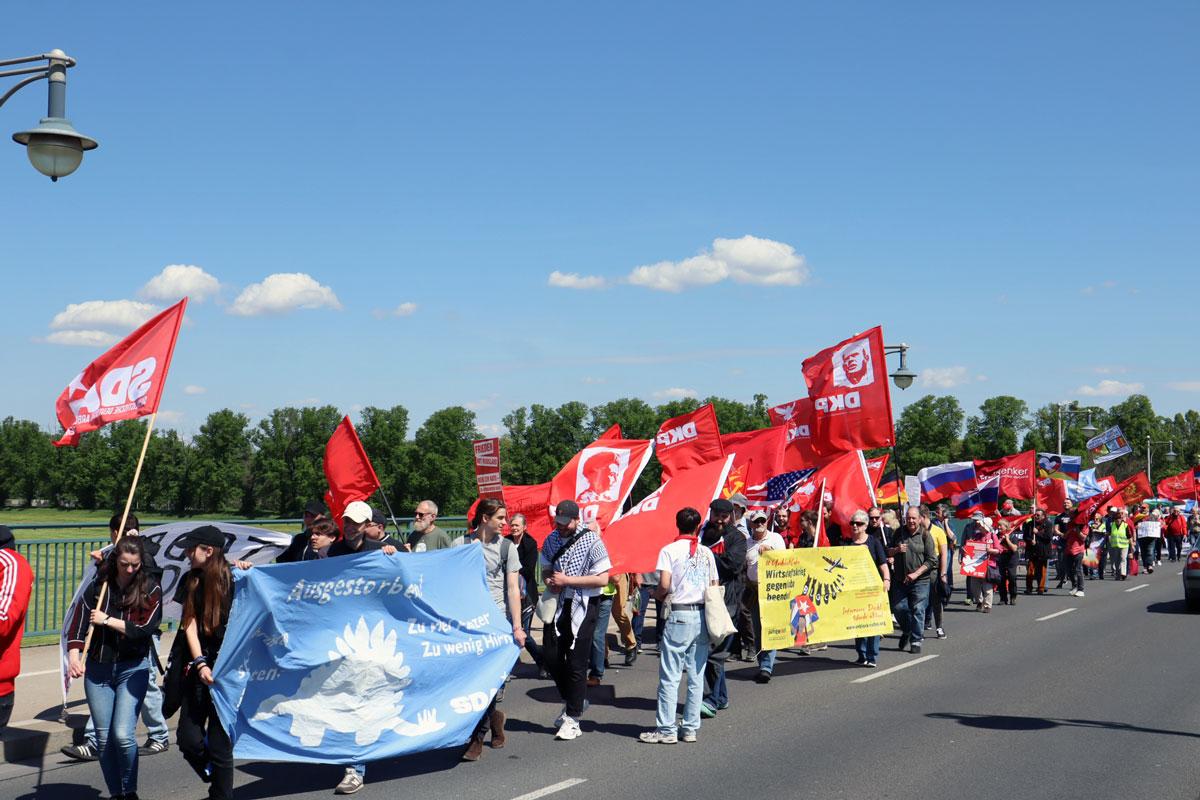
{"x": 715, "y": 557}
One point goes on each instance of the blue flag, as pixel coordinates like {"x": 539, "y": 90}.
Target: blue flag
{"x": 359, "y": 658}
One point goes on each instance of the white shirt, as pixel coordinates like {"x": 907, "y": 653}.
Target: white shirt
{"x": 772, "y": 540}
{"x": 690, "y": 575}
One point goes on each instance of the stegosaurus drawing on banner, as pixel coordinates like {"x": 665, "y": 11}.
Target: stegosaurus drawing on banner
{"x": 359, "y": 691}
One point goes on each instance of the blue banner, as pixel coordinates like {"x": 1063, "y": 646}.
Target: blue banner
{"x": 358, "y": 658}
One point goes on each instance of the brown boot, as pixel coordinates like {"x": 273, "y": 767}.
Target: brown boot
{"x": 474, "y": 749}
{"x": 498, "y": 738}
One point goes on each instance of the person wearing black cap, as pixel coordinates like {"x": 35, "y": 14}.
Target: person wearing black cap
{"x": 207, "y": 591}
{"x": 16, "y": 584}
{"x": 300, "y": 549}
{"x": 729, "y": 547}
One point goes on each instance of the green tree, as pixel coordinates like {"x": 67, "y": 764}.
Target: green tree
{"x": 221, "y": 464}
{"x": 1135, "y": 415}
{"x": 635, "y": 416}
{"x": 443, "y": 463}
{"x": 166, "y": 484}
{"x": 288, "y": 465}
{"x": 996, "y": 431}
{"x": 383, "y": 432}
{"x": 541, "y": 440}
{"x": 927, "y": 432}
{"x": 26, "y": 458}
{"x": 734, "y": 416}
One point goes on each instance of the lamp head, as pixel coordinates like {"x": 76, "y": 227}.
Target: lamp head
{"x": 54, "y": 147}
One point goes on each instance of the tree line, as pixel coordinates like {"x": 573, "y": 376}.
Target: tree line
{"x": 274, "y": 467}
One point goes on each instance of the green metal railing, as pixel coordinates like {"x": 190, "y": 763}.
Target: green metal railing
{"x": 59, "y": 564}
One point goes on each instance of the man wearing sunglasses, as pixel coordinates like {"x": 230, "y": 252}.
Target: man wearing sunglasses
{"x": 425, "y": 534}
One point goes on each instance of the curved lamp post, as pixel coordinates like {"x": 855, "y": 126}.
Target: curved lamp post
{"x": 54, "y": 147}
{"x": 1063, "y": 410}
{"x": 903, "y": 377}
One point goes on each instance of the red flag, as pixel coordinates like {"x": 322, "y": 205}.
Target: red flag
{"x": 533, "y": 502}
{"x": 634, "y": 539}
{"x": 600, "y": 477}
{"x": 688, "y": 440}
{"x": 875, "y": 468}
{"x": 1017, "y": 474}
{"x": 1050, "y": 494}
{"x": 1180, "y": 487}
{"x": 846, "y": 482}
{"x": 757, "y": 457}
{"x": 487, "y": 467}
{"x": 613, "y": 432}
{"x": 1128, "y": 492}
{"x": 1137, "y": 490}
{"x": 797, "y": 416}
{"x": 852, "y": 405}
{"x": 124, "y": 383}
{"x": 347, "y": 470}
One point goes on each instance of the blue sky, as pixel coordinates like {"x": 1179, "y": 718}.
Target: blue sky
{"x": 1010, "y": 189}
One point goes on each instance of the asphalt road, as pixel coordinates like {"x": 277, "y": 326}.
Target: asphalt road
{"x": 1098, "y": 702}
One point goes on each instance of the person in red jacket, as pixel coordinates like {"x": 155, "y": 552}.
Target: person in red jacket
{"x": 1175, "y": 527}
{"x": 16, "y": 582}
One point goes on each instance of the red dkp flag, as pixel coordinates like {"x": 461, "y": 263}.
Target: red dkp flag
{"x": 487, "y": 468}
{"x": 347, "y": 470}
{"x": 600, "y": 477}
{"x": 852, "y": 405}
{"x": 797, "y": 416}
{"x": 634, "y": 539}
{"x": 1017, "y": 474}
{"x": 688, "y": 440}
{"x": 124, "y": 383}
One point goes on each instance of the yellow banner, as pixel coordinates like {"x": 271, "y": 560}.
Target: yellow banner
{"x": 820, "y": 594}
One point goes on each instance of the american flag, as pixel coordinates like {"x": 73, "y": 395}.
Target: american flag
{"x": 777, "y": 489}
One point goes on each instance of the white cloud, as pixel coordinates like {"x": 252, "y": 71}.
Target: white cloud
{"x": 573, "y": 280}
{"x": 763, "y": 262}
{"x": 592, "y": 380}
{"x": 1185, "y": 386}
{"x": 402, "y": 310}
{"x": 480, "y": 405}
{"x": 945, "y": 377}
{"x": 674, "y": 393}
{"x": 121, "y": 314}
{"x": 1110, "y": 370}
{"x": 169, "y": 417}
{"x": 1109, "y": 388}
{"x": 82, "y": 338}
{"x": 179, "y": 280}
{"x": 490, "y": 429}
{"x": 193, "y": 389}
{"x": 281, "y": 293}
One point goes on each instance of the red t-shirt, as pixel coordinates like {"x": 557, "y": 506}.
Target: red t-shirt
{"x": 1076, "y": 541}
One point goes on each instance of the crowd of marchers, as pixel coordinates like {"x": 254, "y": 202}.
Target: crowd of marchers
{"x": 568, "y": 584}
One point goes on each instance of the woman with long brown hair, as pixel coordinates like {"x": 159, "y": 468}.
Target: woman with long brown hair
{"x": 208, "y": 591}
{"x": 116, "y": 673}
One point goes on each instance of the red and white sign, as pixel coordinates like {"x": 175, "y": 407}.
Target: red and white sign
{"x": 974, "y": 559}
{"x": 634, "y": 539}
{"x": 487, "y": 468}
{"x": 1017, "y": 474}
{"x": 600, "y": 477}
{"x": 852, "y": 406}
{"x": 124, "y": 383}
{"x": 688, "y": 440}
{"x": 797, "y": 417}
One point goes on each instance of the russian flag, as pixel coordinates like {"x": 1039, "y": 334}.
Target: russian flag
{"x": 945, "y": 480}
{"x": 984, "y": 498}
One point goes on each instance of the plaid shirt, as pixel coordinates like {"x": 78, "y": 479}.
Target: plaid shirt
{"x": 108, "y": 646}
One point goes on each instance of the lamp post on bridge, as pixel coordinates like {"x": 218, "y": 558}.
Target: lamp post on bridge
{"x": 54, "y": 147}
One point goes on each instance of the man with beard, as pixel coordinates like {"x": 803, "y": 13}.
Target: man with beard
{"x": 426, "y": 535}
{"x": 729, "y": 547}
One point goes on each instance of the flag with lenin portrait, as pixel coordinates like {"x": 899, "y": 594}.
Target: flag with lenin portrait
{"x": 600, "y": 477}
{"x": 852, "y": 405}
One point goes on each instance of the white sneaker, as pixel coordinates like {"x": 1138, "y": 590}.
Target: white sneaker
{"x": 1079, "y": 594}
{"x": 569, "y": 730}
{"x": 1073, "y": 593}
{"x": 658, "y": 737}
{"x": 562, "y": 715}
{"x": 351, "y": 782}
{"x": 687, "y": 736}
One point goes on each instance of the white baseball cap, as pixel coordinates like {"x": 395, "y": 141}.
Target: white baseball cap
{"x": 358, "y": 511}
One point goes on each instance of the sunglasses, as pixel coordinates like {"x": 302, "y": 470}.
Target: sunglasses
{"x": 856, "y": 523}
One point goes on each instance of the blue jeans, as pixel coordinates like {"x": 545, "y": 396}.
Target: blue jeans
{"x": 684, "y": 645}
{"x": 604, "y": 611}
{"x": 867, "y": 647}
{"x": 645, "y": 594}
{"x": 152, "y": 716}
{"x": 115, "y": 693}
{"x": 531, "y": 645}
{"x": 766, "y": 661}
{"x": 908, "y": 604}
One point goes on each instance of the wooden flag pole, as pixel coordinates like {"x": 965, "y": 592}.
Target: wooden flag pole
{"x": 137, "y": 473}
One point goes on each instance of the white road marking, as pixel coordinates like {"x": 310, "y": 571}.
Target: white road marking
{"x": 1139, "y": 586}
{"x": 35, "y": 674}
{"x": 1055, "y": 614}
{"x": 556, "y": 787}
{"x": 896, "y": 668}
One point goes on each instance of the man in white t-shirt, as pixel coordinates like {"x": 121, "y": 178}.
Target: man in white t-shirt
{"x": 761, "y": 540}
{"x": 686, "y": 569}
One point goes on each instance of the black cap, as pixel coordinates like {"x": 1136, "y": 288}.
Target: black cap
{"x": 316, "y": 508}
{"x": 209, "y": 535}
{"x": 721, "y": 504}
{"x": 378, "y": 517}
{"x": 7, "y": 540}
{"x": 565, "y": 511}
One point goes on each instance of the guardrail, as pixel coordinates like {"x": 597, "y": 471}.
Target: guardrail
{"x": 59, "y": 564}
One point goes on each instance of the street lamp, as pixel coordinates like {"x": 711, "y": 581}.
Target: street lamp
{"x": 1170, "y": 443}
{"x": 54, "y": 147}
{"x": 1064, "y": 411}
{"x": 903, "y": 377}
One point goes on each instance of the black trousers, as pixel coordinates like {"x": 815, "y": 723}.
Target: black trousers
{"x": 1008, "y": 579}
{"x": 566, "y": 655}
{"x": 204, "y": 743}
{"x": 6, "y": 709}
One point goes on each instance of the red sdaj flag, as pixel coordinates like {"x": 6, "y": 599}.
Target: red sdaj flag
{"x": 875, "y": 468}
{"x": 688, "y": 440}
{"x": 613, "y": 432}
{"x": 600, "y": 477}
{"x": 347, "y": 470}
{"x": 634, "y": 538}
{"x": 533, "y": 502}
{"x": 852, "y": 405}
{"x": 797, "y": 417}
{"x": 1017, "y": 474}
{"x": 757, "y": 457}
{"x": 1181, "y": 487}
{"x": 125, "y": 383}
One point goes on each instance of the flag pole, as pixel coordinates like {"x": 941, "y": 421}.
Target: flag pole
{"x": 820, "y": 516}
{"x": 391, "y": 515}
{"x": 137, "y": 472}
